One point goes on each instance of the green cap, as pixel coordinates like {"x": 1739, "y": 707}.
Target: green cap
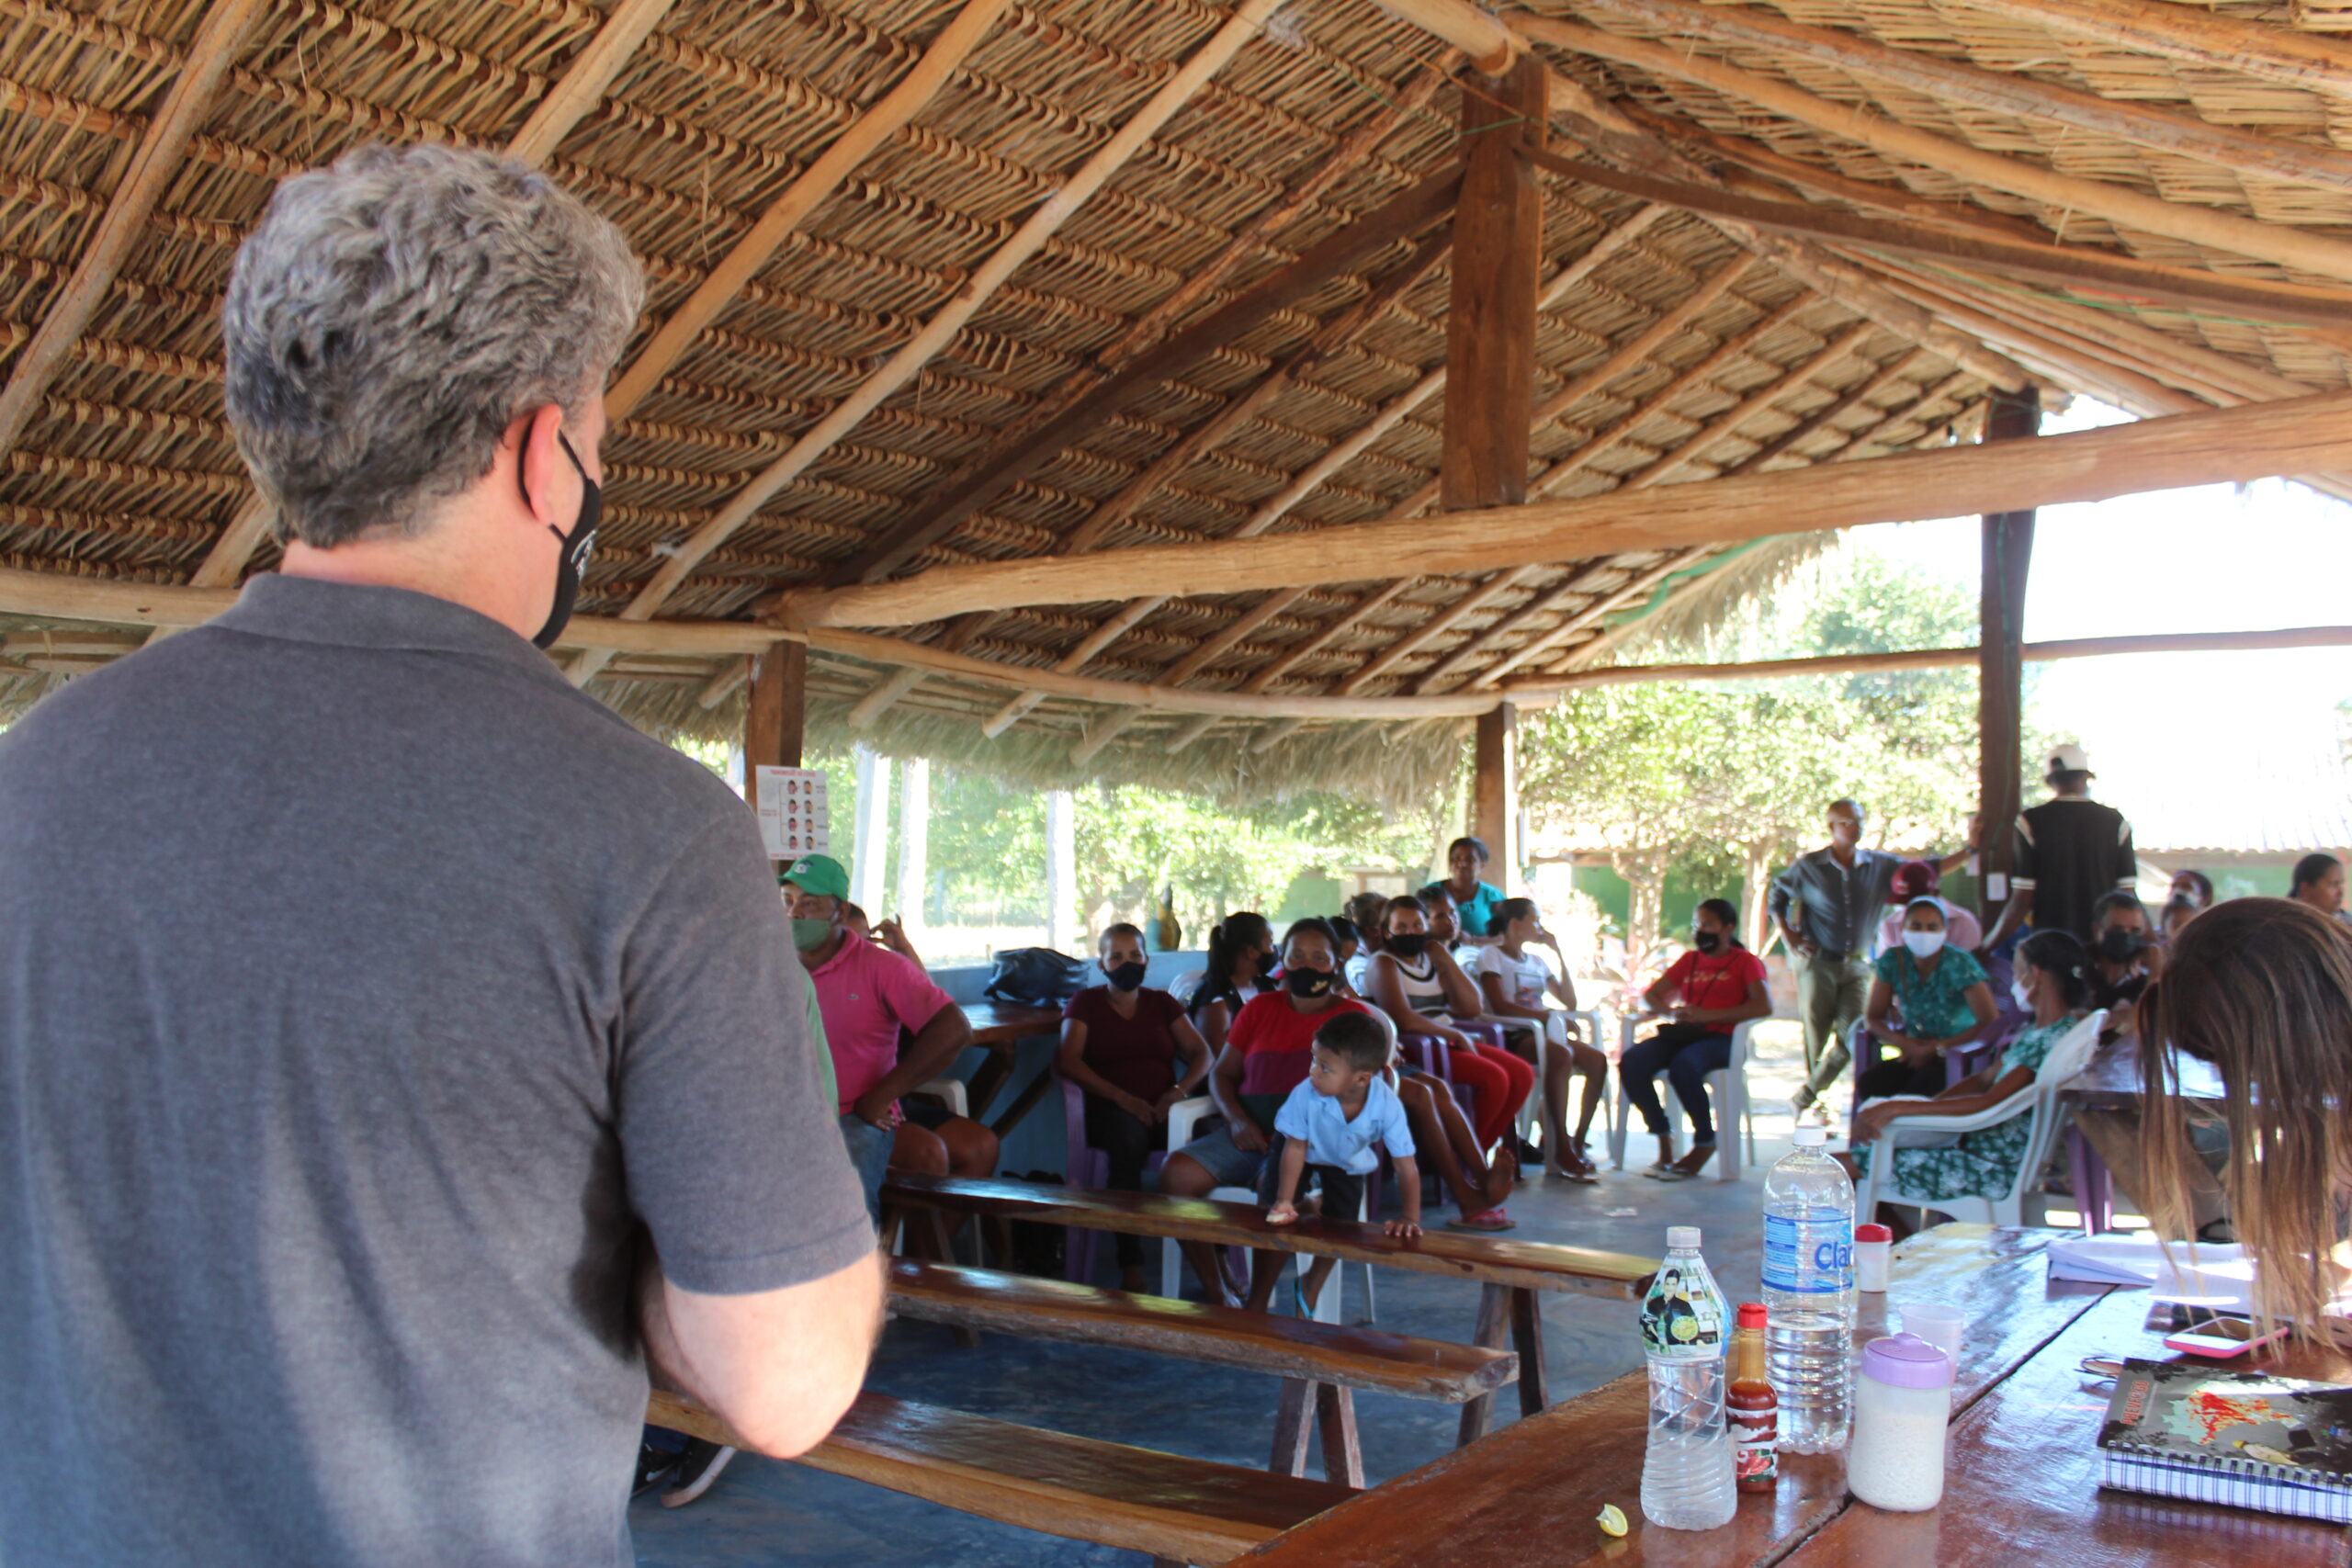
{"x": 820, "y": 876}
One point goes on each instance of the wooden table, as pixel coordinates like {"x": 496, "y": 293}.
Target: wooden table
{"x": 1509, "y": 1273}
{"x": 2021, "y": 1489}
{"x": 2111, "y": 1087}
{"x": 998, "y": 1028}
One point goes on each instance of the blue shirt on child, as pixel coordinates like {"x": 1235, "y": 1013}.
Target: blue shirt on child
{"x": 1319, "y": 1121}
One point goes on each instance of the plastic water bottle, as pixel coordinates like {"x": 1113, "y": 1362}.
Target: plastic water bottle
{"x": 1687, "y": 1481}
{"x": 1809, "y": 1294}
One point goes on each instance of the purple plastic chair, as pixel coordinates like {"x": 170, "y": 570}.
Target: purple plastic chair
{"x": 1089, "y": 1167}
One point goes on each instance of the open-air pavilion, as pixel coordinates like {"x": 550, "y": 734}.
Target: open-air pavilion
{"x": 1231, "y": 397}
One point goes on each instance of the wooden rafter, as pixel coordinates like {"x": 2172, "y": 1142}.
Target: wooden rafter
{"x": 2194, "y": 225}
{"x": 2290, "y": 436}
{"x": 152, "y": 166}
{"x": 2194, "y": 36}
{"x": 2157, "y": 130}
{"x": 743, "y": 263}
{"x": 941, "y": 327}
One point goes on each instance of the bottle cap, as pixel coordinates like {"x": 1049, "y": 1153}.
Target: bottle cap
{"x": 1906, "y": 1361}
{"x": 1871, "y": 1232}
{"x": 1751, "y": 1314}
{"x": 1682, "y": 1238}
{"x": 1810, "y": 1137}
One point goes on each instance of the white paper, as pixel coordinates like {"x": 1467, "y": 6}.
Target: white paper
{"x": 1996, "y": 885}
{"x": 793, "y": 816}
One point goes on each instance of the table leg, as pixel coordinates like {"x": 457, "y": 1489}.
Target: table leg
{"x": 1334, "y": 1418}
{"x": 1527, "y": 1338}
{"x": 1492, "y": 1334}
{"x": 989, "y": 1077}
{"x": 1290, "y": 1427}
{"x": 1003, "y": 1125}
{"x": 2094, "y": 1184}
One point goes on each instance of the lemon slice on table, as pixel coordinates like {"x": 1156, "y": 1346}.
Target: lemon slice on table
{"x": 1612, "y": 1519}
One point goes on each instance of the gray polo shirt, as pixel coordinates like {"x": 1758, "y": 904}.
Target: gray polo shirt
{"x": 1841, "y": 904}
{"x": 369, "y": 994}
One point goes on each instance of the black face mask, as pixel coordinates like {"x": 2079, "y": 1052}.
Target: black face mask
{"x": 1706, "y": 942}
{"x": 577, "y": 546}
{"x": 1127, "y": 977}
{"x": 1309, "y": 983}
{"x": 1265, "y": 964}
{"x": 1409, "y": 944}
{"x": 2119, "y": 946}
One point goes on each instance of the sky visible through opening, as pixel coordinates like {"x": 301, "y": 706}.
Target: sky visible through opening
{"x": 2174, "y": 731}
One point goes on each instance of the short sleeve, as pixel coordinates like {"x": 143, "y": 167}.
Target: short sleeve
{"x": 729, "y": 1144}
{"x": 1890, "y": 966}
{"x": 1751, "y": 968}
{"x": 1395, "y": 1131}
{"x": 912, "y": 997}
{"x": 1294, "y": 1120}
{"x": 1490, "y": 961}
{"x": 1966, "y": 971}
{"x": 1679, "y": 973}
{"x": 1079, "y": 1008}
{"x": 1247, "y": 1023}
{"x": 1167, "y": 1008}
{"x": 2026, "y": 870}
{"x": 2127, "y": 859}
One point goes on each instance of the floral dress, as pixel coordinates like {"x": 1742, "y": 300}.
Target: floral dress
{"x": 1984, "y": 1162}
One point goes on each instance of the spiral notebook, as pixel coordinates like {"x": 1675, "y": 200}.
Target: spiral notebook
{"x": 2245, "y": 1439}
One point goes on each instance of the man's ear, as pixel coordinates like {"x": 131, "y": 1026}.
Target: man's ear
{"x": 541, "y": 465}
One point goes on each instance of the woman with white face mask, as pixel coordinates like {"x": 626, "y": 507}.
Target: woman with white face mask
{"x": 1944, "y": 998}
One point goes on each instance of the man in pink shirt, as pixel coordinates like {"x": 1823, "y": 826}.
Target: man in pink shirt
{"x": 868, "y": 995}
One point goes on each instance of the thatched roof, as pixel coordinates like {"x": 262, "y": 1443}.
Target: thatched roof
{"x": 1755, "y": 358}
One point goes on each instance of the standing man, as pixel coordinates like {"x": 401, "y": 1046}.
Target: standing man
{"x": 2071, "y": 851}
{"x": 1827, "y": 905}
{"x": 367, "y": 1138}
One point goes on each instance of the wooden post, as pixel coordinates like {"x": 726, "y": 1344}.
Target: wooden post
{"x": 1497, "y": 264}
{"x": 1061, "y": 872}
{"x": 914, "y": 842}
{"x": 870, "y": 849}
{"x": 2008, "y": 554}
{"x": 775, "y": 716}
{"x": 1494, "y": 794}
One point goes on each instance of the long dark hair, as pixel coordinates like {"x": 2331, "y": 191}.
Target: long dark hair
{"x": 1728, "y": 913}
{"x": 1510, "y": 909}
{"x": 2062, "y": 953}
{"x": 1246, "y": 927}
{"x": 2311, "y": 868}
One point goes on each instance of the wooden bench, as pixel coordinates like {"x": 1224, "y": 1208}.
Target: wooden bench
{"x": 1508, "y": 1273}
{"x": 1179, "y": 1511}
{"x": 1321, "y": 1364}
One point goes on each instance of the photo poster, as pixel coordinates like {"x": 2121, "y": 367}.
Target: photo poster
{"x": 792, "y": 810}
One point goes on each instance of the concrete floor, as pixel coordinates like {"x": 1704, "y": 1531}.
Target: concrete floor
{"x": 766, "y": 1513}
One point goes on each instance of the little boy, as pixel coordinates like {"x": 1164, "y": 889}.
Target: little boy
{"x": 1326, "y": 1130}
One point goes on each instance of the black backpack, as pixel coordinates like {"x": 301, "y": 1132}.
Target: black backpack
{"x": 1037, "y": 975}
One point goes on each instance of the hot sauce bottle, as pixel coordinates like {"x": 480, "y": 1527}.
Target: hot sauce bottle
{"x": 1755, "y": 1413}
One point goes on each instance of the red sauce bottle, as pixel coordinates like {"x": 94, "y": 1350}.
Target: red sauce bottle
{"x": 1755, "y": 1413}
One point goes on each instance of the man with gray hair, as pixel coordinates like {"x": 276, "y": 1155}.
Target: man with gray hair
{"x": 441, "y": 1062}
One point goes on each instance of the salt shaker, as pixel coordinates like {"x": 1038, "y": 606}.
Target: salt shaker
{"x": 1871, "y": 1245}
{"x": 1902, "y": 1407}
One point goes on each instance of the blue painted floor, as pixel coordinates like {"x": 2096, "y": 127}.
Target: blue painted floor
{"x": 763, "y": 1512}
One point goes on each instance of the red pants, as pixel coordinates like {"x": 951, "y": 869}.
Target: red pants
{"x": 1501, "y": 1080}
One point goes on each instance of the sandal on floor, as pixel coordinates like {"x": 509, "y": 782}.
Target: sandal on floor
{"x": 1484, "y": 1220}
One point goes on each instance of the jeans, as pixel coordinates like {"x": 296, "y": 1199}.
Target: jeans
{"x": 1686, "y": 1053}
{"x": 869, "y": 1156}
{"x": 1128, "y": 1143}
{"x": 1831, "y": 993}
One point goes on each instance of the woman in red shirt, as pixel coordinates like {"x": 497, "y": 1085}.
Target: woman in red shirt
{"x": 1714, "y": 988}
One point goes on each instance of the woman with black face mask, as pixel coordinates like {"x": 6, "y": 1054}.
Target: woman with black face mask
{"x": 1134, "y": 1054}
{"x": 2123, "y": 961}
{"x": 1240, "y": 965}
{"x": 1710, "y": 990}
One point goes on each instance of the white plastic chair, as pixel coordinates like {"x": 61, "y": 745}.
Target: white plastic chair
{"x": 951, "y": 1091}
{"x": 2037, "y": 1100}
{"x": 1186, "y": 981}
{"x": 1533, "y": 1107}
{"x": 1735, "y": 1111}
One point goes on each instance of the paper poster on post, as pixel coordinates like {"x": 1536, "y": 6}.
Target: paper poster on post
{"x": 794, "y": 821}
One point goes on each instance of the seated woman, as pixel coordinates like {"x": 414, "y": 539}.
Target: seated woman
{"x": 2053, "y": 980}
{"x": 1352, "y": 953}
{"x": 1946, "y": 1003}
{"x": 1134, "y": 1054}
{"x": 1241, "y": 957}
{"x": 2318, "y": 882}
{"x": 1515, "y": 983}
{"x": 1917, "y": 879}
{"x": 1710, "y": 990}
{"x": 2125, "y": 959}
{"x": 1416, "y": 981}
{"x": 2262, "y": 989}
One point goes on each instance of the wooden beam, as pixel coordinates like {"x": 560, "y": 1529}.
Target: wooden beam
{"x": 1953, "y": 81}
{"x": 224, "y": 563}
{"x": 1608, "y": 602}
{"x": 2293, "y": 436}
{"x": 1498, "y": 259}
{"x": 2066, "y": 266}
{"x": 2000, "y": 701}
{"x": 1580, "y": 585}
{"x": 1492, "y": 47}
{"x": 2194, "y": 225}
{"x": 582, "y": 86}
{"x": 1436, "y": 626}
{"x": 719, "y": 287}
{"x": 1946, "y": 658}
{"x": 1400, "y": 218}
{"x": 220, "y": 37}
{"x": 944, "y": 325}
{"x": 1493, "y": 792}
{"x": 776, "y": 717}
{"x": 2210, "y": 40}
